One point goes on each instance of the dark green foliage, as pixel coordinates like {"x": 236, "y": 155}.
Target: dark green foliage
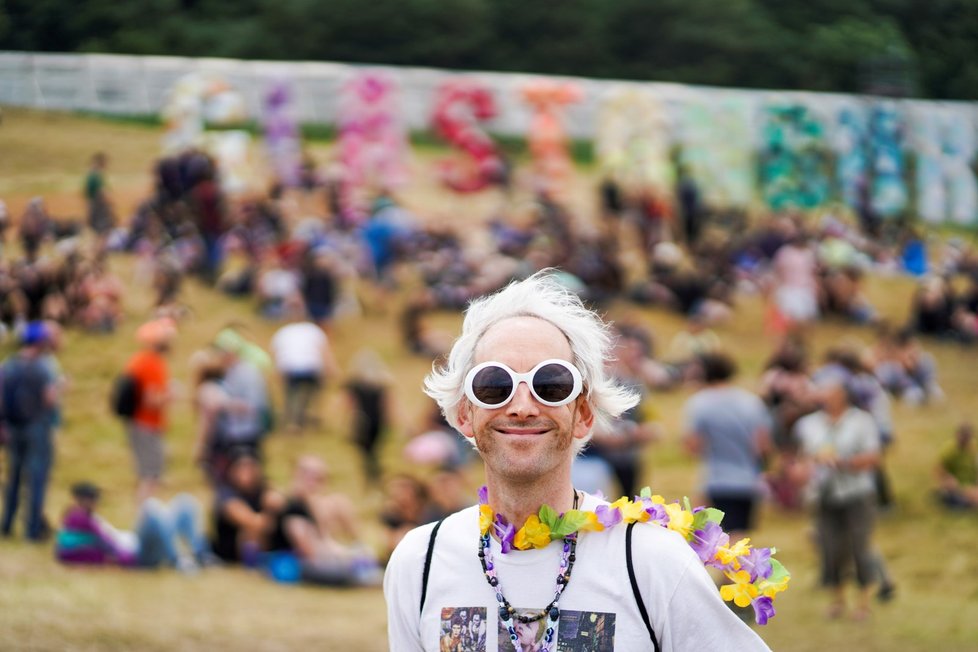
{"x": 900, "y": 47}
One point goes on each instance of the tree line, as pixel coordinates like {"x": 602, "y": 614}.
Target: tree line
{"x": 922, "y": 48}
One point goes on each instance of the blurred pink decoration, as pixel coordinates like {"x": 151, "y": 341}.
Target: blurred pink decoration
{"x": 460, "y": 106}
{"x": 547, "y": 138}
{"x": 282, "y": 134}
{"x": 372, "y": 142}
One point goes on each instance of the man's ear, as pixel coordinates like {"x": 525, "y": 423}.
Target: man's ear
{"x": 464, "y": 418}
{"x": 585, "y": 418}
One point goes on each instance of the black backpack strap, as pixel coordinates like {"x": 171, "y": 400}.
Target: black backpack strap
{"x": 427, "y": 564}
{"x": 631, "y": 578}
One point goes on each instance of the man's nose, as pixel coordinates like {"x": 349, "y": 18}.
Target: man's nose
{"x": 523, "y": 403}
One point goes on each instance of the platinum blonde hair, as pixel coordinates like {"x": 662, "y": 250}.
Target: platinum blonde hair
{"x": 543, "y": 297}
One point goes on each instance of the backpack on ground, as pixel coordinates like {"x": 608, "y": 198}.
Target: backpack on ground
{"x": 124, "y": 400}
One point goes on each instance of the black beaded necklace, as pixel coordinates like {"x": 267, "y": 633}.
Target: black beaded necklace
{"x": 552, "y": 612}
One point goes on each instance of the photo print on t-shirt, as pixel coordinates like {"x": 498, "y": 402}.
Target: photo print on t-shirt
{"x": 463, "y": 629}
{"x": 577, "y": 631}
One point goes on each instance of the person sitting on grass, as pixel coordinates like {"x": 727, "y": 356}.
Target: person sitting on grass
{"x": 321, "y": 530}
{"x": 957, "y": 470}
{"x": 245, "y": 510}
{"x": 165, "y": 534}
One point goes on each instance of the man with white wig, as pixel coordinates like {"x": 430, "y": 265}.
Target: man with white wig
{"x": 526, "y": 384}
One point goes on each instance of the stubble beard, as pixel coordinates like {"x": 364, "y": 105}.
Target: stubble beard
{"x": 512, "y": 462}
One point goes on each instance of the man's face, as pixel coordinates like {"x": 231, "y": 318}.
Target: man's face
{"x": 524, "y": 440}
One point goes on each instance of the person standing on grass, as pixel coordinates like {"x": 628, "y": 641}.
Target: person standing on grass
{"x": 151, "y": 374}
{"x": 27, "y": 399}
{"x": 730, "y": 429}
{"x": 841, "y": 444}
{"x": 100, "y": 216}
{"x": 305, "y": 360}
{"x": 526, "y": 382}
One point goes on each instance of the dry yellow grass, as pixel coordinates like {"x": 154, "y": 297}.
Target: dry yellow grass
{"x": 44, "y": 606}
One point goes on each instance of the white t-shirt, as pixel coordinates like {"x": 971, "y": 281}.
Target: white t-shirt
{"x": 298, "y": 348}
{"x": 682, "y": 601}
{"x": 853, "y": 434}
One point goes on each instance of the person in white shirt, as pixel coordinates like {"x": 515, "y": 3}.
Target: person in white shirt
{"x": 526, "y": 383}
{"x": 305, "y": 360}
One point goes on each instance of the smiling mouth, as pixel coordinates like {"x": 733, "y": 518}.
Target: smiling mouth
{"x": 523, "y": 431}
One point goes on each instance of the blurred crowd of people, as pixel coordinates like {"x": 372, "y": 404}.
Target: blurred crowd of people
{"x": 805, "y": 435}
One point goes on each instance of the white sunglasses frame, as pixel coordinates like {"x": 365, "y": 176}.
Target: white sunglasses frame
{"x": 524, "y": 378}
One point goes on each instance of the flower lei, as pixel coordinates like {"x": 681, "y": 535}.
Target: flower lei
{"x": 756, "y": 577}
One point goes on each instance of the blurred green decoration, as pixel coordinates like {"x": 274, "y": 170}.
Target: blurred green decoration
{"x": 716, "y": 151}
{"x": 851, "y": 160}
{"x": 793, "y": 159}
{"x": 947, "y": 191}
{"x": 632, "y": 141}
{"x": 889, "y": 193}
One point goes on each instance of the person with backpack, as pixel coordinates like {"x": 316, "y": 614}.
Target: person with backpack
{"x": 147, "y": 378}
{"x": 526, "y": 382}
{"x": 29, "y": 394}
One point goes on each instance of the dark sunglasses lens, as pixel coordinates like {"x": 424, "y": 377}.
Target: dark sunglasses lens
{"x": 553, "y": 383}
{"x": 492, "y": 385}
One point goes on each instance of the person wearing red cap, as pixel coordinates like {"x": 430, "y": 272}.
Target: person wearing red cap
{"x": 149, "y": 370}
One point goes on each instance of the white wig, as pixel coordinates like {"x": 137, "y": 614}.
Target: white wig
{"x": 543, "y": 297}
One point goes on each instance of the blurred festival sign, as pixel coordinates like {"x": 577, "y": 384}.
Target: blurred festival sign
{"x": 632, "y": 142}
{"x": 717, "y": 150}
{"x": 945, "y": 144}
{"x": 793, "y": 160}
{"x": 889, "y": 194}
{"x": 372, "y": 142}
{"x": 461, "y": 105}
{"x": 547, "y": 138}
{"x": 200, "y": 100}
{"x": 282, "y": 142}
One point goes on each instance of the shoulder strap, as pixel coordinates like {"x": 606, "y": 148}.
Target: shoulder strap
{"x": 427, "y": 563}
{"x": 638, "y": 596}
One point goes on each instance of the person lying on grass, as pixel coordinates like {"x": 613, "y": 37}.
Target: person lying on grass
{"x": 165, "y": 534}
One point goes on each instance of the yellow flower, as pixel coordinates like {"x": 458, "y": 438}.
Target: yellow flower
{"x": 592, "y": 524}
{"x": 679, "y": 519}
{"x": 770, "y": 589}
{"x": 729, "y": 554}
{"x": 533, "y": 534}
{"x": 631, "y": 511}
{"x": 486, "y": 515}
{"x": 741, "y": 591}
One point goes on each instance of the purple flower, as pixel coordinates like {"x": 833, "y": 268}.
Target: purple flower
{"x": 758, "y": 563}
{"x": 505, "y": 532}
{"x": 483, "y": 495}
{"x": 608, "y": 516}
{"x": 657, "y": 513}
{"x": 706, "y": 541}
{"x": 763, "y": 609}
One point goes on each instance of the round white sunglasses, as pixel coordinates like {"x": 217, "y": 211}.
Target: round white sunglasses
{"x": 491, "y": 385}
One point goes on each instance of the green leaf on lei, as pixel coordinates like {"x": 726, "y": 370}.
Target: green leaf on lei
{"x": 704, "y": 516}
{"x": 569, "y": 522}
{"x": 778, "y": 572}
{"x": 548, "y": 516}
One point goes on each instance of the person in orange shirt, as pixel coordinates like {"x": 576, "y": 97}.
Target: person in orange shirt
{"x": 149, "y": 370}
